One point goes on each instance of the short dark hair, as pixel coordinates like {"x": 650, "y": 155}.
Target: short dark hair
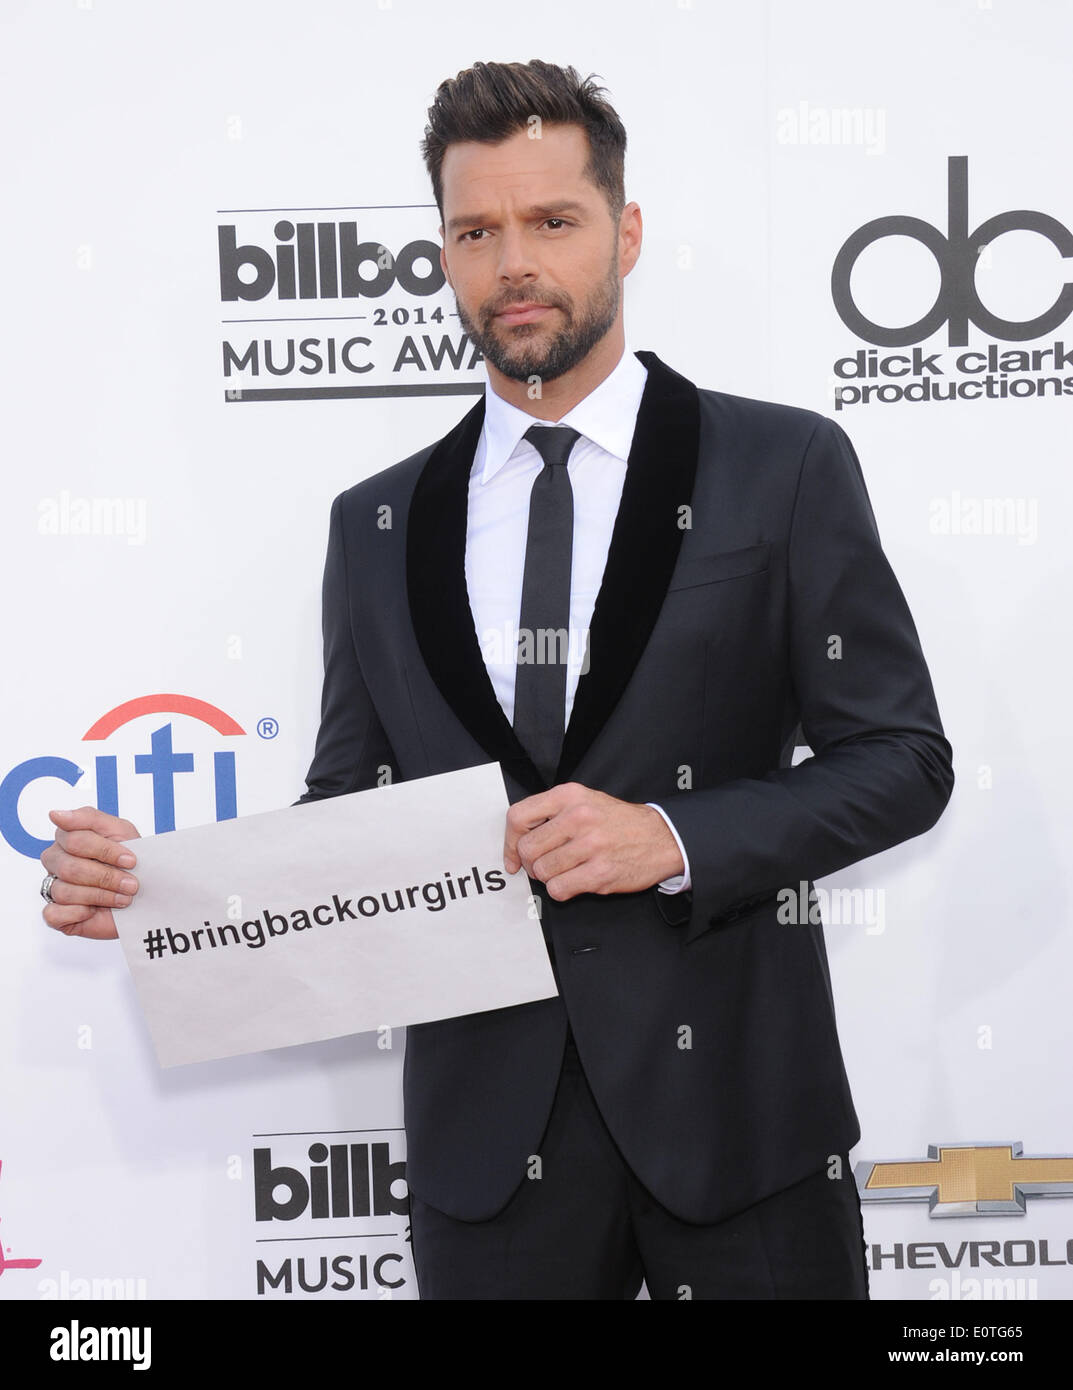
{"x": 491, "y": 101}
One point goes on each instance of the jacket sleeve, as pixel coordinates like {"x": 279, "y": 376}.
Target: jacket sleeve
{"x": 881, "y": 768}
{"x": 352, "y": 751}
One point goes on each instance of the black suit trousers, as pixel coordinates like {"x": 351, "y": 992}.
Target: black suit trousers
{"x": 581, "y": 1226}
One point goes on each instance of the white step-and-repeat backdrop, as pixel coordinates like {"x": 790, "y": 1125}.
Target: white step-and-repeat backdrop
{"x": 860, "y": 209}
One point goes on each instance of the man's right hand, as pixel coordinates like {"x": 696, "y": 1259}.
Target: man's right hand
{"x": 92, "y": 871}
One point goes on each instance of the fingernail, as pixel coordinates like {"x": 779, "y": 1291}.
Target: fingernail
{"x": 126, "y": 861}
{"x": 128, "y": 885}
{"x": 121, "y": 900}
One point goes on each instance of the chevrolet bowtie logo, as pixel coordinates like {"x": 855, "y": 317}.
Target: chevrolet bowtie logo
{"x": 968, "y": 1179}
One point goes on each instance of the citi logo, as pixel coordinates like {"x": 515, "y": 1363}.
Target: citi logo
{"x": 342, "y": 1180}
{"x": 324, "y": 260}
{"x": 160, "y": 764}
{"x": 5, "y": 1250}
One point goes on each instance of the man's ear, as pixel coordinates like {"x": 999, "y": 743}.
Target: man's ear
{"x": 630, "y": 234}
{"x": 443, "y": 261}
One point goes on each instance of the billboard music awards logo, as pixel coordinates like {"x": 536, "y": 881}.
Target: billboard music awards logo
{"x": 897, "y": 368}
{"x": 971, "y": 1180}
{"x": 336, "y": 303}
{"x": 140, "y": 782}
{"x": 336, "y": 1210}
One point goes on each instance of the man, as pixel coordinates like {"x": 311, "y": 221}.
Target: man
{"x": 680, "y": 1113}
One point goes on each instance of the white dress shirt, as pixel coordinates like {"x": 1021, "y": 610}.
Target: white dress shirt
{"x": 505, "y": 467}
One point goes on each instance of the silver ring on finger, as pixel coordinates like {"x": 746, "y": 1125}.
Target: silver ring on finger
{"x": 46, "y": 888}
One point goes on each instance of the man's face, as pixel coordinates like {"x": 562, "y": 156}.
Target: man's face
{"x": 531, "y": 251}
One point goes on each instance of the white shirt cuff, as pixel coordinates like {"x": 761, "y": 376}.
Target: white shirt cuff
{"x": 680, "y": 883}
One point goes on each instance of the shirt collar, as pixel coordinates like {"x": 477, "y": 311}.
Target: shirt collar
{"x": 607, "y": 416}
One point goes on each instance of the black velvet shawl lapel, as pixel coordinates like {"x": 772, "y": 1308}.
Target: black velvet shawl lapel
{"x": 644, "y": 547}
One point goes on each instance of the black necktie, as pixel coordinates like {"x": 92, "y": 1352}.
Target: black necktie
{"x": 544, "y": 623}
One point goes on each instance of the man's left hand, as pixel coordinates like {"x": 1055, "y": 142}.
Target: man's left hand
{"x": 577, "y": 840}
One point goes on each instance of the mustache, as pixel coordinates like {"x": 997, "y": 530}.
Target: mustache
{"x": 501, "y": 305}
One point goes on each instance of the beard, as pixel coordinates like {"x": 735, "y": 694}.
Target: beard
{"x": 523, "y": 350}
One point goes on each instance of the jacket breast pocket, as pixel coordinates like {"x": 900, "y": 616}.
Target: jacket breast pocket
{"x": 726, "y": 564}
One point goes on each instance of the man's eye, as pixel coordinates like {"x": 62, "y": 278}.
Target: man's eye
{"x": 561, "y": 221}
{"x": 476, "y": 232}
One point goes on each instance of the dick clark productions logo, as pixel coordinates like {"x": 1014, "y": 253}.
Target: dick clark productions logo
{"x": 957, "y": 303}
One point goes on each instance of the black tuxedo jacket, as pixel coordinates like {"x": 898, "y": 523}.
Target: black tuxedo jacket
{"x": 746, "y": 597}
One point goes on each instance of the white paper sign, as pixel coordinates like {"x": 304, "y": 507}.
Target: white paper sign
{"x": 382, "y": 908}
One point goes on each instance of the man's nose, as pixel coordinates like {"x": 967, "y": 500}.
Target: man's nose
{"x": 517, "y": 257}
